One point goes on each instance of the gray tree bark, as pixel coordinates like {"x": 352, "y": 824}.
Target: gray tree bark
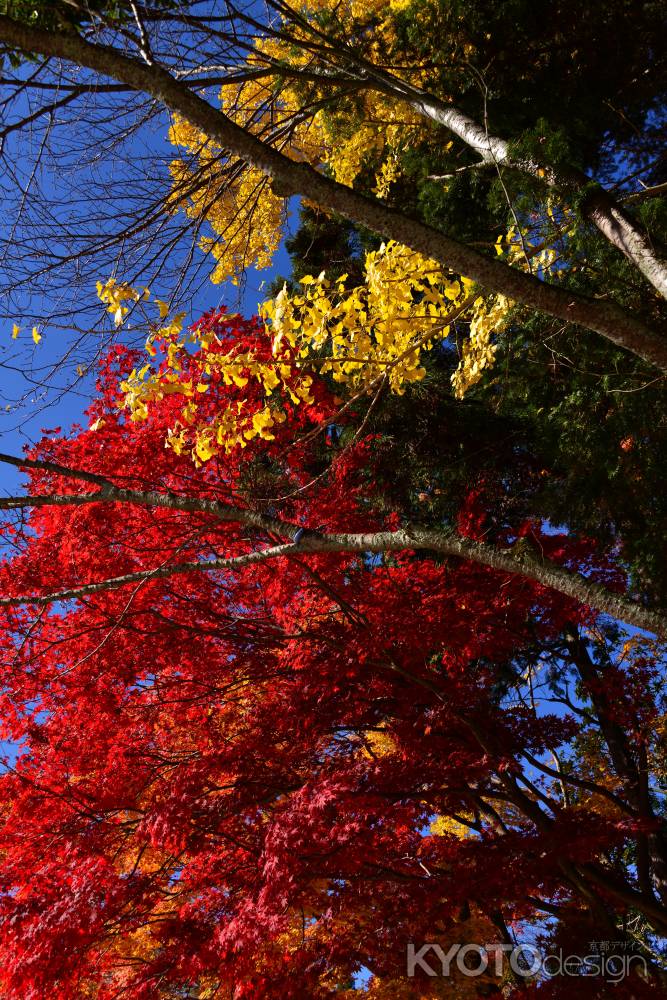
{"x": 514, "y": 560}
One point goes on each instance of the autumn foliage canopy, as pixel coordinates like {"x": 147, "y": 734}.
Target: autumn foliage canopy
{"x": 332, "y": 643}
{"x": 266, "y": 781}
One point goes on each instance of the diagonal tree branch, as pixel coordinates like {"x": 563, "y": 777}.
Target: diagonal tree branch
{"x": 153, "y": 498}
{"x": 292, "y": 178}
{"x": 596, "y": 204}
{"x": 109, "y": 492}
{"x": 447, "y": 542}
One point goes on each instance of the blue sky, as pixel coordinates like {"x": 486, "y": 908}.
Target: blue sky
{"x": 40, "y": 387}
{"x": 29, "y": 406}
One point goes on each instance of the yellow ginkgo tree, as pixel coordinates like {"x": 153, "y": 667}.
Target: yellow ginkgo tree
{"x": 362, "y": 337}
{"x": 279, "y": 100}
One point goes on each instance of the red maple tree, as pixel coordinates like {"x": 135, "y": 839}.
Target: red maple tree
{"x": 271, "y": 778}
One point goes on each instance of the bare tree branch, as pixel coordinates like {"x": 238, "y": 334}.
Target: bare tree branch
{"x": 657, "y": 191}
{"x": 447, "y": 542}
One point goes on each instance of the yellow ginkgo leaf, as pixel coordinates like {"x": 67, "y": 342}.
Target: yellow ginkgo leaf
{"x": 205, "y": 448}
{"x": 36, "y": 335}
{"x": 16, "y": 329}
